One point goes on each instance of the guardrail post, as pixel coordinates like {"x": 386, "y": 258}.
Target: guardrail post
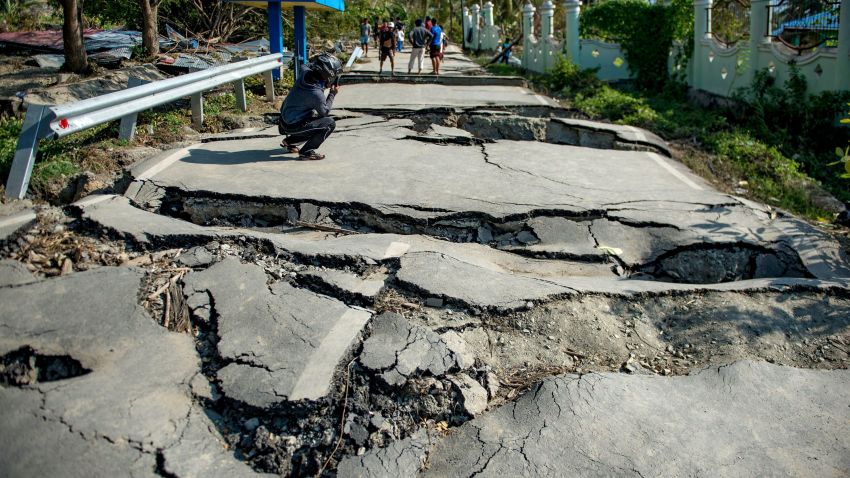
{"x": 36, "y": 127}
{"x": 198, "y": 110}
{"x": 128, "y": 123}
{"x": 241, "y": 101}
{"x": 270, "y": 86}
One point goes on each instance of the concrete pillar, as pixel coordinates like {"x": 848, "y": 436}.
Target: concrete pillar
{"x": 701, "y": 32}
{"x": 572, "y": 43}
{"x": 464, "y": 19}
{"x": 547, "y": 13}
{"x": 476, "y": 30}
{"x": 528, "y": 39}
{"x": 487, "y": 11}
{"x": 758, "y": 37}
{"x": 842, "y": 54}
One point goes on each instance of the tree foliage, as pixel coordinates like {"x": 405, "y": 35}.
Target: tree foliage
{"x": 645, "y": 32}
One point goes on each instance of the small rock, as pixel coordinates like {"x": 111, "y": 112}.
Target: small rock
{"x": 67, "y": 267}
{"x": 473, "y": 395}
{"x": 434, "y": 302}
{"x": 492, "y": 383}
{"x": 526, "y": 237}
{"x": 484, "y": 235}
{"x": 252, "y": 424}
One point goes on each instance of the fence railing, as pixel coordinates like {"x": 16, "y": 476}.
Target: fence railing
{"x": 48, "y": 122}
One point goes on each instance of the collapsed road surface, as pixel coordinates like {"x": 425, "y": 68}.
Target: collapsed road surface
{"x": 472, "y": 283}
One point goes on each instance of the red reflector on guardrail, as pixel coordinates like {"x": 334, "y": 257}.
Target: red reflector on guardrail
{"x": 63, "y": 123}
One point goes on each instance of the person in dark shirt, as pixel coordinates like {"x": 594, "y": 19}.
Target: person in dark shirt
{"x": 387, "y": 41}
{"x": 420, "y": 38}
{"x": 305, "y": 114}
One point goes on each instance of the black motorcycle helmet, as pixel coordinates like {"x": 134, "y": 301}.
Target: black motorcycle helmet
{"x": 327, "y": 66}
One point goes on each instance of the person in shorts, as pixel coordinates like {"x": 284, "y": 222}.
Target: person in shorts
{"x": 387, "y": 40}
{"x": 436, "y": 48}
{"x": 365, "y": 33}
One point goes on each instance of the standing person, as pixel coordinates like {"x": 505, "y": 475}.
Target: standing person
{"x": 387, "y": 39}
{"x": 305, "y": 114}
{"x": 399, "y": 28}
{"x": 428, "y": 23}
{"x": 436, "y": 48}
{"x": 365, "y": 33}
{"x": 376, "y": 31}
{"x": 420, "y": 38}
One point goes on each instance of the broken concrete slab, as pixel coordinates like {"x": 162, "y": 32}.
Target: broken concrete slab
{"x": 398, "y": 96}
{"x": 400, "y": 350}
{"x": 441, "y": 275}
{"x": 13, "y": 223}
{"x": 401, "y": 458}
{"x": 283, "y": 344}
{"x": 34, "y": 445}
{"x": 745, "y": 418}
{"x": 121, "y": 398}
{"x": 14, "y": 273}
{"x": 138, "y": 225}
{"x": 366, "y": 288}
{"x": 577, "y": 132}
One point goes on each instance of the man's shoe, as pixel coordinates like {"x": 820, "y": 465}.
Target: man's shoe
{"x": 290, "y": 148}
{"x": 311, "y": 156}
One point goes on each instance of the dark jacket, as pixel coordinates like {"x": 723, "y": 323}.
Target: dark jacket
{"x": 306, "y": 97}
{"x": 420, "y": 37}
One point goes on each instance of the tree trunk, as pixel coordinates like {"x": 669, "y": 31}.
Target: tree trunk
{"x": 150, "y": 33}
{"x": 76, "y": 60}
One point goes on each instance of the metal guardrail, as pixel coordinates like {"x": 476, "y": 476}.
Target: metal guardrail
{"x": 48, "y": 122}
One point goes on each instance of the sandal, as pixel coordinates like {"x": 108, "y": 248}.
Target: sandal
{"x": 311, "y": 156}
{"x": 290, "y": 148}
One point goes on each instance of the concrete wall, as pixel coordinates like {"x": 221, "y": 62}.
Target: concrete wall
{"x": 713, "y": 68}
{"x": 721, "y": 70}
{"x": 480, "y": 34}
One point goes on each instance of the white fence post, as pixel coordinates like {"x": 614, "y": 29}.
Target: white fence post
{"x": 487, "y": 11}
{"x": 528, "y": 40}
{"x": 842, "y": 54}
{"x": 701, "y": 18}
{"x": 465, "y": 22}
{"x": 758, "y": 37}
{"x": 572, "y": 44}
{"x": 546, "y": 42}
{"x": 476, "y": 29}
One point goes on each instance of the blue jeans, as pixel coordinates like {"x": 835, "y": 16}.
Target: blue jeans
{"x": 400, "y": 44}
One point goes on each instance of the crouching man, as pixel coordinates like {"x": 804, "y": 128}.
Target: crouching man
{"x": 304, "y": 116}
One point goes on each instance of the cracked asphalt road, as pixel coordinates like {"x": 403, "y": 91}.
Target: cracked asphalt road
{"x": 483, "y": 286}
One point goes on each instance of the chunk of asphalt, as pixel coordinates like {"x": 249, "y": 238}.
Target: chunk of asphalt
{"x": 402, "y": 458}
{"x": 746, "y": 418}
{"x": 13, "y": 273}
{"x": 366, "y": 288}
{"x": 283, "y": 343}
{"x": 399, "y": 350}
{"x": 474, "y": 396}
{"x": 196, "y": 257}
{"x": 442, "y": 275}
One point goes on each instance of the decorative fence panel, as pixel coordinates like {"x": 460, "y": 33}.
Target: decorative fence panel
{"x": 480, "y": 34}
{"x": 732, "y": 40}
{"x": 815, "y": 40}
